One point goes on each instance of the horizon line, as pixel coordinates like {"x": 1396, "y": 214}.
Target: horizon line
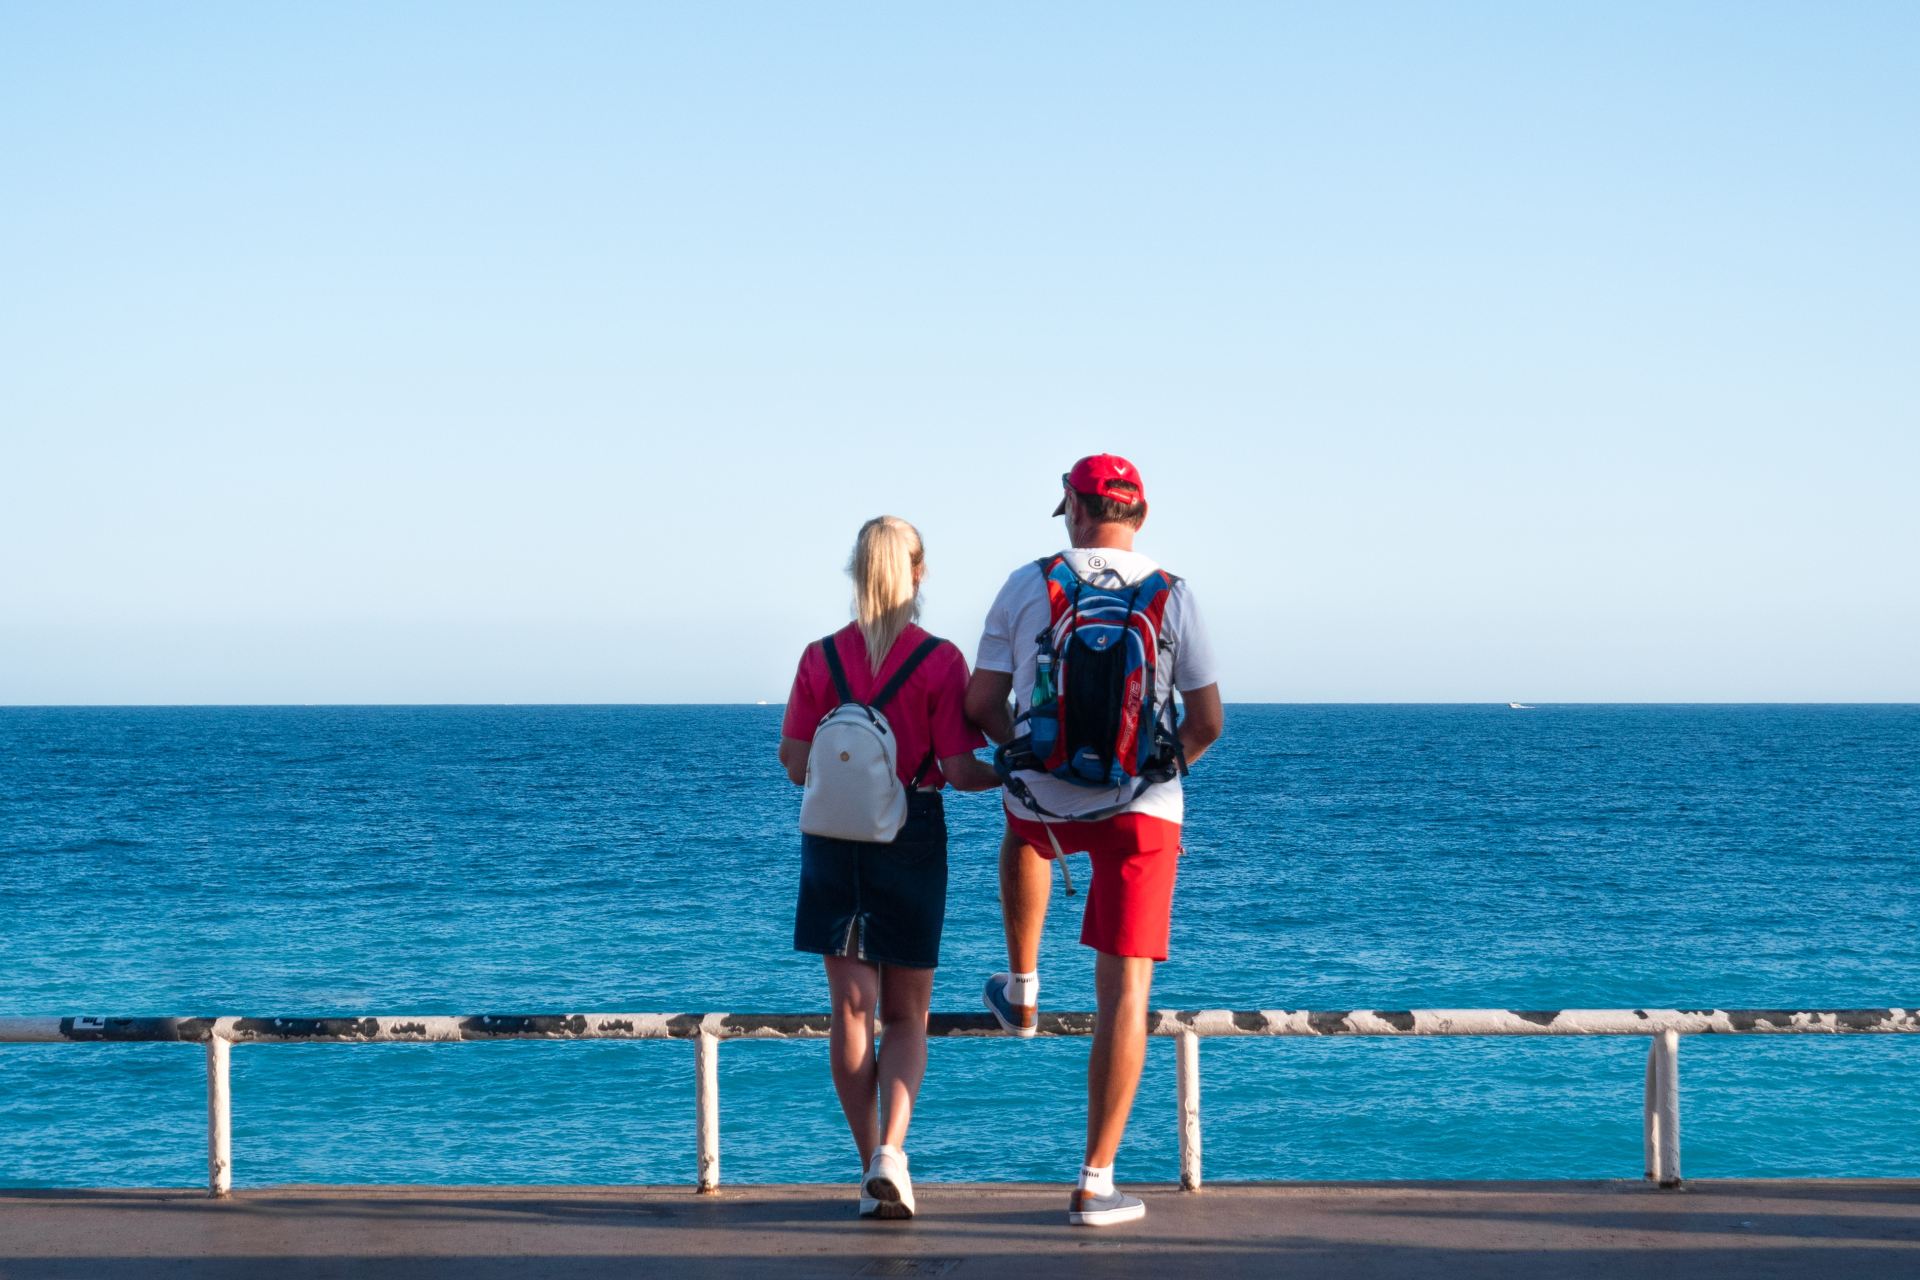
{"x": 1243, "y": 702}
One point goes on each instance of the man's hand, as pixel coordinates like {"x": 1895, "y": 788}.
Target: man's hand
{"x": 987, "y": 704}
{"x": 1203, "y": 723}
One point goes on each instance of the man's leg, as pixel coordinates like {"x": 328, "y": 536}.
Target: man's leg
{"x": 1025, "y": 880}
{"x": 1014, "y": 996}
{"x": 1129, "y": 913}
{"x": 1123, "y": 985}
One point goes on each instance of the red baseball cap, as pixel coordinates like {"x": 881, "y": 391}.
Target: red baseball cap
{"x": 1096, "y": 476}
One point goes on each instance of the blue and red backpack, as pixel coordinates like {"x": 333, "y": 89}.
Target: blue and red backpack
{"x": 1096, "y": 718}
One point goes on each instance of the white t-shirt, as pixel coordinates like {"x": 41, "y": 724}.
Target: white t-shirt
{"x": 1021, "y": 612}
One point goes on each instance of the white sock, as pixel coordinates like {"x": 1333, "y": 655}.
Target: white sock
{"x": 1098, "y": 1181}
{"x": 1023, "y": 989}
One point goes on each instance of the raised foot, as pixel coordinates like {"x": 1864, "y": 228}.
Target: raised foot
{"x": 1015, "y": 1019}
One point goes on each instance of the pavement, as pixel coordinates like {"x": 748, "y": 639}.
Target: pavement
{"x": 1836, "y": 1230}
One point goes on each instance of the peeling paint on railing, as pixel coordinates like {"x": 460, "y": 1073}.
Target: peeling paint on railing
{"x": 1663, "y": 1027}
{"x": 811, "y": 1026}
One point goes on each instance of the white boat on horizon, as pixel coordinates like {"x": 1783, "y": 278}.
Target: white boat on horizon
{"x": 1519, "y": 706}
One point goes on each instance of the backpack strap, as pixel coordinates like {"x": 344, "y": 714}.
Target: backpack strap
{"x": 1024, "y": 794}
{"x": 920, "y": 774}
{"x": 900, "y": 677}
{"x": 838, "y": 672}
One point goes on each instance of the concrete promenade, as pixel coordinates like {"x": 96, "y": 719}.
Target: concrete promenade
{"x": 1836, "y": 1230}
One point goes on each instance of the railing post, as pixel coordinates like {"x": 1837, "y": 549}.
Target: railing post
{"x": 1649, "y": 1126}
{"x": 219, "y": 1119}
{"x": 706, "y": 1062}
{"x": 1660, "y": 1124}
{"x": 1187, "y": 1063}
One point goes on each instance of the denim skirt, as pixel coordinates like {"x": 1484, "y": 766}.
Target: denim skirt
{"x": 882, "y": 903}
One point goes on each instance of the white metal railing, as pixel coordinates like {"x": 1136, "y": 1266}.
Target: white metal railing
{"x": 1663, "y": 1027}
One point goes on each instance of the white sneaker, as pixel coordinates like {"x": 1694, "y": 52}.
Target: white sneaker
{"x": 889, "y": 1185}
{"x": 1086, "y": 1209}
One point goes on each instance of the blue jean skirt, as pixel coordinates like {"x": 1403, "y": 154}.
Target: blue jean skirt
{"x": 882, "y": 903}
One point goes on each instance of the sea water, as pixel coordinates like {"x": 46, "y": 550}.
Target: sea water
{"x": 572, "y": 859}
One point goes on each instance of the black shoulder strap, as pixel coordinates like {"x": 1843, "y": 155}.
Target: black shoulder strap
{"x": 899, "y": 678}
{"x": 838, "y": 672}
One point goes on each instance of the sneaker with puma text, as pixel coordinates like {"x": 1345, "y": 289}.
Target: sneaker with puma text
{"x": 1015, "y": 1019}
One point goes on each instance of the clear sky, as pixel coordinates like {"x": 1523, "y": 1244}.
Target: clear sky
{"x": 413, "y": 353}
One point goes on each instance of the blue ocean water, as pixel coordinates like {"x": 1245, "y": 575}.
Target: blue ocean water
{"x": 475, "y": 859}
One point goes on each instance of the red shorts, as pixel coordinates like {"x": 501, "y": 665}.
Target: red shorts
{"x": 1130, "y": 903}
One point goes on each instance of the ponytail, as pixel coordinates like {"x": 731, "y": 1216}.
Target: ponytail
{"x": 885, "y": 597}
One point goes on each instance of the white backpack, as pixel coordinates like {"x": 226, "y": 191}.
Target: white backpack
{"x": 853, "y": 781}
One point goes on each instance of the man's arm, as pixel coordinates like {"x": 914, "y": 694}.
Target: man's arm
{"x": 793, "y": 755}
{"x": 1204, "y": 721}
{"x": 987, "y": 704}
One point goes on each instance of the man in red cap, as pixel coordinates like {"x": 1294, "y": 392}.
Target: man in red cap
{"x": 1092, "y": 642}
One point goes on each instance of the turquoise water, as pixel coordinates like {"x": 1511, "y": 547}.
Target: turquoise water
{"x": 465, "y": 860}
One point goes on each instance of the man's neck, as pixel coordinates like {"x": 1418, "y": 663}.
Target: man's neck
{"x": 1111, "y": 537}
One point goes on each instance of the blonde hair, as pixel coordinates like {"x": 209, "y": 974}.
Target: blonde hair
{"x": 885, "y": 596}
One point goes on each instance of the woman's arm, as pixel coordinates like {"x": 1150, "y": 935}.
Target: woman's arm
{"x": 793, "y": 755}
{"x": 967, "y": 772}
{"x": 807, "y": 701}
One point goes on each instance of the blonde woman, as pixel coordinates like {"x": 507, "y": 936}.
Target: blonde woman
{"x": 875, "y": 910}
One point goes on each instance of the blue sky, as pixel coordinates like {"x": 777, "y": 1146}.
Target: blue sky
{"x": 554, "y": 353}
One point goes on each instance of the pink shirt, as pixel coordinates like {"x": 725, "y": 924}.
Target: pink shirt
{"x": 929, "y": 709}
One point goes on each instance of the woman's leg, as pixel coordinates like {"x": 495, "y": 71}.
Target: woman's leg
{"x": 904, "y": 995}
{"x": 855, "y": 989}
